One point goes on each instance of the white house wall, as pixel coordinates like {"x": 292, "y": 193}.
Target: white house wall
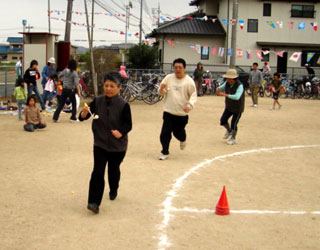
{"x": 191, "y": 56}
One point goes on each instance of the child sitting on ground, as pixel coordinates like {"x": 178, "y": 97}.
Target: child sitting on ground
{"x": 33, "y": 118}
{"x": 21, "y": 96}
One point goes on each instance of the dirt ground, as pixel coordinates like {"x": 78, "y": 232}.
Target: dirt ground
{"x": 44, "y": 183}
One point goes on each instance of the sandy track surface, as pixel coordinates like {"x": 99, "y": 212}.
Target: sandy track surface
{"x": 45, "y": 175}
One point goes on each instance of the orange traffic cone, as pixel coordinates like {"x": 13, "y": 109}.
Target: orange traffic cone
{"x": 222, "y": 207}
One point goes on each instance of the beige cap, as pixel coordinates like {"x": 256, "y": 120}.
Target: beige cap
{"x": 52, "y": 60}
{"x": 231, "y": 73}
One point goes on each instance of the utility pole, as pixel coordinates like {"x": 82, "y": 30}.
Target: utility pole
{"x": 140, "y": 34}
{"x": 126, "y": 31}
{"x": 234, "y": 34}
{"x": 68, "y": 23}
{"x": 29, "y": 27}
{"x": 90, "y": 39}
{"x": 159, "y": 12}
{"x": 49, "y": 17}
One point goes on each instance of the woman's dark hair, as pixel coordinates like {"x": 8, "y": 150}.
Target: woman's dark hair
{"x": 33, "y": 62}
{"x": 276, "y": 74}
{"x": 113, "y": 76}
{"x": 19, "y": 81}
{"x": 31, "y": 97}
{"x": 72, "y": 65}
{"x": 54, "y": 77}
{"x": 179, "y": 60}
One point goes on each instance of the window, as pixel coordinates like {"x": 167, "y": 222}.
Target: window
{"x": 313, "y": 61}
{"x": 205, "y": 53}
{"x": 267, "y": 9}
{"x": 302, "y": 11}
{"x": 14, "y": 58}
{"x": 265, "y": 54}
{"x": 252, "y": 25}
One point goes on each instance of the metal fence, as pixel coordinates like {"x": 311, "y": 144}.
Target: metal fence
{"x": 8, "y": 78}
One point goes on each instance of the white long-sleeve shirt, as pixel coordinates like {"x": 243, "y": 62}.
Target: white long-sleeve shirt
{"x": 178, "y": 94}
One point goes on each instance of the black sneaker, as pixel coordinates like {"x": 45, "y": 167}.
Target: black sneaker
{"x": 113, "y": 195}
{"x": 93, "y": 207}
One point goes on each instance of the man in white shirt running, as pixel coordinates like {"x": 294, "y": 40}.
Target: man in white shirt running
{"x": 180, "y": 95}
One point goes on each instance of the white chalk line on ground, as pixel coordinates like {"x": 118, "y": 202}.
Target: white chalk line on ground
{"x": 167, "y": 207}
{"x": 195, "y": 210}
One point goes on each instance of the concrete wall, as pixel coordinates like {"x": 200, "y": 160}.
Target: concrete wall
{"x": 191, "y": 56}
{"x": 35, "y": 52}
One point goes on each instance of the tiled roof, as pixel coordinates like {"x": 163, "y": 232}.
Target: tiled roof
{"x": 4, "y": 49}
{"x": 186, "y": 26}
{"x": 14, "y": 40}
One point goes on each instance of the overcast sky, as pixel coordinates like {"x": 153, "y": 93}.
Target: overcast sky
{"x": 35, "y": 12}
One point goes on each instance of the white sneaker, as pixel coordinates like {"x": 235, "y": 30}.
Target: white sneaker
{"x": 255, "y": 105}
{"x": 183, "y": 145}
{"x": 163, "y": 157}
{"x": 226, "y": 135}
{"x": 272, "y": 108}
{"x": 231, "y": 141}
{"x": 252, "y": 105}
{"x": 74, "y": 120}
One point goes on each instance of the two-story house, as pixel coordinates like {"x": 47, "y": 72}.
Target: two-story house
{"x": 11, "y": 52}
{"x": 269, "y": 26}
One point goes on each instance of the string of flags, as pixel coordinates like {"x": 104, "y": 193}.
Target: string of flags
{"x": 241, "y": 53}
{"x": 61, "y": 12}
{"x": 94, "y": 26}
{"x": 280, "y": 24}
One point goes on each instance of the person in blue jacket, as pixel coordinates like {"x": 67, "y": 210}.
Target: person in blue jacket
{"x": 48, "y": 71}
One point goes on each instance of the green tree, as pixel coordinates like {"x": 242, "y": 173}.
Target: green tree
{"x": 143, "y": 56}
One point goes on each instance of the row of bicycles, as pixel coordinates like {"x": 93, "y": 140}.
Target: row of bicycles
{"x": 145, "y": 89}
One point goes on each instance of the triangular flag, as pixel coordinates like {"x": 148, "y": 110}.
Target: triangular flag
{"x": 265, "y": 52}
{"x": 241, "y": 23}
{"x": 239, "y": 53}
{"x": 310, "y": 55}
{"x": 291, "y": 25}
{"x": 205, "y": 50}
{"x": 192, "y": 46}
{"x": 171, "y": 43}
{"x": 315, "y": 26}
{"x": 249, "y": 54}
{"x": 230, "y": 52}
{"x": 280, "y": 53}
{"x": 258, "y": 53}
{"x": 214, "y": 50}
{"x": 198, "y": 47}
{"x": 318, "y": 62}
{"x": 221, "y": 51}
{"x": 295, "y": 56}
{"x": 302, "y": 25}
{"x": 225, "y": 21}
{"x": 271, "y": 24}
{"x": 233, "y": 21}
{"x": 214, "y": 20}
{"x": 280, "y": 23}
{"x": 205, "y": 18}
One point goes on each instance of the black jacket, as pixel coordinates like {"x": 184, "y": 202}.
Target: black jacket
{"x": 234, "y": 106}
{"x": 30, "y": 76}
{"x": 114, "y": 114}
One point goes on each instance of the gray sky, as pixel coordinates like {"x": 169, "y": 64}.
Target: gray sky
{"x": 35, "y": 12}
